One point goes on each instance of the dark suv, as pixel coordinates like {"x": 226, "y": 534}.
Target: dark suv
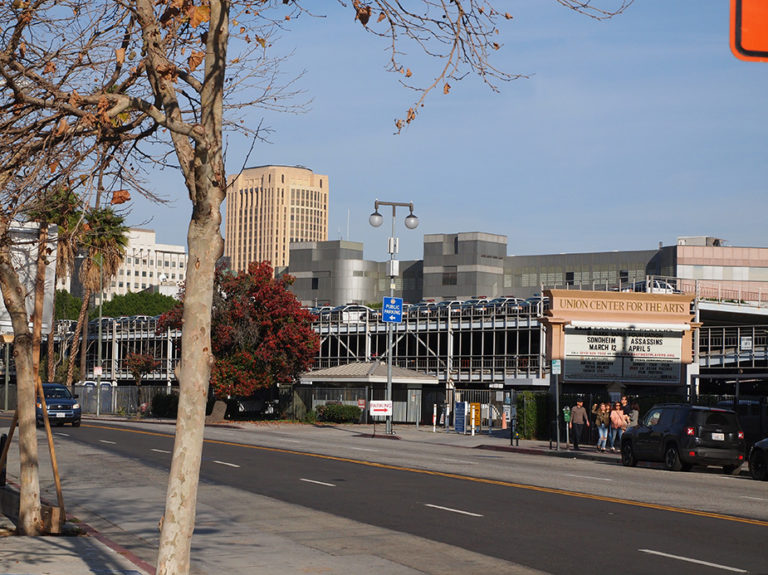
{"x": 63, "y": 407}
{"x": 682, "y": 435}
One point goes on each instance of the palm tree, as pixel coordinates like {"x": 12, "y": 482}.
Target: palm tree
{"x": 102, "y": 244}
{"x": 63, "y": 208}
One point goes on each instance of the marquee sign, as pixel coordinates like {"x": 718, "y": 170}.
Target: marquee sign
{"x": 628, "y": 356}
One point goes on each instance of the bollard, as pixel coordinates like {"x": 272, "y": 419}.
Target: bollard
{"x": 434, "y": 417}
{"x": 472, "y": 416}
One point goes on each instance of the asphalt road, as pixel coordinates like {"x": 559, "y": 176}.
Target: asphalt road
{"x": 475, "y": 503}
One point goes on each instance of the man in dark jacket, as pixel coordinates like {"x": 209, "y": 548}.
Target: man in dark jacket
{"x": 579, "y": 419}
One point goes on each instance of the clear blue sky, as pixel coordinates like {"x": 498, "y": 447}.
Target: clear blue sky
{"x": 627, "y": 133}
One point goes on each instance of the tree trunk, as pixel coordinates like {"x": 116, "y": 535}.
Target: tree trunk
{"x": 30, "y": 518}
{"x": 79, "y": 329}
{"x": 205, "y": 247}
{"x": 37, "y": 317}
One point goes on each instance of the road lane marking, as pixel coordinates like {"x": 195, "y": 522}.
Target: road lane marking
{"x": 588, "y": 477}
{"x": 317, "y": 482}
{"x": 460, "y": 461}
{"x": 287, "y": 440}
{"x": 160, "y": 451}
{"x": 754, "y": 498}
{"x": 697, "y": 561}
{"x": 452, "y": 510}
{"x": 62, "y": 434}
{"x": 225, "y": 463}
{"x": 110, "y": 442}
{"x": 540, "y": 489}
{"x": 363, "y": 449}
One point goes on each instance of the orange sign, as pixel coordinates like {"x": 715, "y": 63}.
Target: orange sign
{"x": 749, "y": 30}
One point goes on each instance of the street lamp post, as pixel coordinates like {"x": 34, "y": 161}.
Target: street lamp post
{"x": 411, "y": 222}
{"x": 98, "y": 347}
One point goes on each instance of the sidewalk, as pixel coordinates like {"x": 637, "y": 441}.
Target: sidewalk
{"x": 98, "y": 550}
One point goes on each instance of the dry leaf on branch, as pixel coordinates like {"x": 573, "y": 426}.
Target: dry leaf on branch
{"x": 198, "y": 15}
{"x": 61, "y": 127}
{"x": 120, "y": 56}
{"x": 362, "y": 13}
{"x": 408, "y": 73}
{"x": 120, "y": 197}
{"x": 50, "y": 67}
{"x": 195, "y": 59}
{"x": 446, "y": 88}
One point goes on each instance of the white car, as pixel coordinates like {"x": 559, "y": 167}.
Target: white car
{"x": 654, "y": 286}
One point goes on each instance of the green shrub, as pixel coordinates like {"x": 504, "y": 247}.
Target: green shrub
{"x": 310, "y": 417}
{"x": 165, "y": 405}
{"x": 337, "y": 413}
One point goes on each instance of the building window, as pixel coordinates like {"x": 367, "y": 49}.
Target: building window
{"x": 315, "y": 283}
{"x": 569, "y": 278}
{"x": 450, "y": 276}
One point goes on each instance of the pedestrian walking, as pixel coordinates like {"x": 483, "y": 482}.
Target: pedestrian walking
{"x": 579, "y": 418}
{"x": 619, "y": 423}
{"x": 602, "y": 421}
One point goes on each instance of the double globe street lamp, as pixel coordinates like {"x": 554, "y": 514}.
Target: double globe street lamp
{"x": 411, "y": 222}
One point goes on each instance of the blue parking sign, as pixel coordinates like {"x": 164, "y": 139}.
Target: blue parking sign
{"x": 392, "y": 310}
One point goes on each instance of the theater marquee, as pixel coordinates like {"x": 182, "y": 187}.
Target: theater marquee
{"x": 636, "y": 357}
{"x": 619, "y": 337}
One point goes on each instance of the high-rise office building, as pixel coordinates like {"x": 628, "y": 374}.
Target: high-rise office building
{"x": 268, "y": 207}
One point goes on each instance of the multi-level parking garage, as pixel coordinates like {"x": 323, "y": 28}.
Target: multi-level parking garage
{"x": 466, "y": 347}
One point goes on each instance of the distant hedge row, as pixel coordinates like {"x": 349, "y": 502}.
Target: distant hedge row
{"x": 337, "y": 413}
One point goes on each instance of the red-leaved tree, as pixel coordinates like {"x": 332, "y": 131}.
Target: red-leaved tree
{"x": 140, "y": 364}
{"x": 261, "y": 336}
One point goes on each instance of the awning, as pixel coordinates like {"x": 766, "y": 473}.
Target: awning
{"x": 621, "y": 325}
{"x": 366, "y": 372}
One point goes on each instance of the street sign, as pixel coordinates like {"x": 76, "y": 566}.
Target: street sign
{"x": 392, "y": 310}
{"x": 556, "y": 367}
{"x": 381, "y": 408}
{"x": 749, "y": 30}
{"x": 97, "y": 370}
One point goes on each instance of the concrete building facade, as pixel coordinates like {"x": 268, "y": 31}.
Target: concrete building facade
{"x": 270, "y": 207}
{"x": 147, "y": 265}
{"x": 335, "y": 273}
{"x": 463, "y": 265}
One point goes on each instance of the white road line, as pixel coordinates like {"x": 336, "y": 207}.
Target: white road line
{"x": 363, "y": 449}
{"x": 110, "y": 442}
{"x": 317, "y": 482}
{"x": 460, "y": 461}
{"x": 453, "y": 510}
{"x": 62, "y": 434}
{"x": 160, "y": 451}
{"x": 697, "y": 561}
{"x": 288, "y": 440}
{"x": 754, "y": 498}
{"x": 225, "y": 463}
{"x": 589, "y": 477}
